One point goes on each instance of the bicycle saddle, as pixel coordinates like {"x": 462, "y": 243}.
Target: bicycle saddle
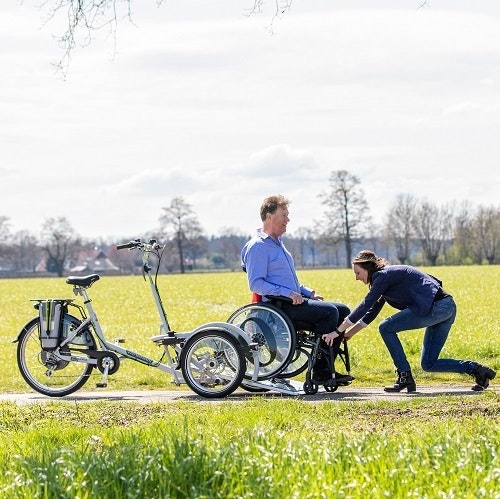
{"x": 85, "y": 281}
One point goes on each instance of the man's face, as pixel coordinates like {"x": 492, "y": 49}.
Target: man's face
{"x": 278, "y": 221}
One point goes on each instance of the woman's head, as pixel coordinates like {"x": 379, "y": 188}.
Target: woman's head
{"x": 365, "y": 264}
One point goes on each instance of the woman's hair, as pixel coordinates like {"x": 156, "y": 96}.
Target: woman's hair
{"x": 271, "y": 204}
{"x": 369, "y": 261}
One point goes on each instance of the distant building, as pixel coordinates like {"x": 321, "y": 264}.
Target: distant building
{"x": 96, "y": 262}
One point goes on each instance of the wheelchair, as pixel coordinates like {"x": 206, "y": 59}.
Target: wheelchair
{"x": 285, "y": 351}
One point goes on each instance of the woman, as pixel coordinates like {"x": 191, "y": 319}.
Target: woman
{"x": 422, "y": 303}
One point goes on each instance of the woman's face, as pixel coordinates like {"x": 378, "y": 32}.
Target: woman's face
{"x": 360, "y": 273}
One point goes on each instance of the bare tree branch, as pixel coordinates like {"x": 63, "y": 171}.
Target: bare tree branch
{"x": 281, "y": 8}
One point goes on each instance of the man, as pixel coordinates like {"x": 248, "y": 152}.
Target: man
{"x": 271, "y": 272}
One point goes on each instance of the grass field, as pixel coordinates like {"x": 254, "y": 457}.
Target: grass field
{"x": 126, "y": 310}
{"x": 265, "y": 447}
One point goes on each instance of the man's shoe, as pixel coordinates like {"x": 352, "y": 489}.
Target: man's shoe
{"x": 321, "y": 376}
{"x": 483, "y": 375}
{"x": 343, "y": 378}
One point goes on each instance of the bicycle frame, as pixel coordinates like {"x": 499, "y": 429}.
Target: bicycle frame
{"x": 168, "y": 338}
{"x": 210, "y": 359}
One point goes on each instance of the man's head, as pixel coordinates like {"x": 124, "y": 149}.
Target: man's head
{"x": 274, "y": 215}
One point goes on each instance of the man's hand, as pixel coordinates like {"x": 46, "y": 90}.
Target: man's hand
{"x": 296, "y": 298}
{"x": 315, "y": 296}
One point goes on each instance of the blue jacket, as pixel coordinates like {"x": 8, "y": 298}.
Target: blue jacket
{"x": 270, "y": 267}
{"x": 401, "y": 286}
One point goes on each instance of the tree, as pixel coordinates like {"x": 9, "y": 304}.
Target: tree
{"x": 347, "y": 210}
{"x": 60, "y": 243}
{"x": 487, "y": 232}
{"x": 228, "y": 247}
{"x": 434, "y": 229}
{"x": 4, "y": 236}
{"x": 400, "y": 225}
{"x": 86, "y": 17}
{"x": 4, "y": 228}
{"x": 180, "y": 223}
{"x": 307, "y": 245}
{"x": 462, "y": 250}
{"x": 27, "y": 251}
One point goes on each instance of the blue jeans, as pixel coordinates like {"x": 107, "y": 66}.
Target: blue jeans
{"x": 437, "y": 324}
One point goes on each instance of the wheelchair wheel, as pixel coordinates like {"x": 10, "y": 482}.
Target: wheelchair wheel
{"x": 297, "y": 365}
{"x": 310, "y": 388}
{"x": 212, "y": 363}
{"x": 267, "y": 326}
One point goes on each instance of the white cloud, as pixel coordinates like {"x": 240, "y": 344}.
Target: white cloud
{"x": 202, "y": 102}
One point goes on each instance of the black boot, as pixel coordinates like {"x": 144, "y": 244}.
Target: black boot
{"x": 483, "y": 375}
{"x": 404, "y": 380}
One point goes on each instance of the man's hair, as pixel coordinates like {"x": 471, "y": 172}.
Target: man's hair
{"x": 271, "y": 204}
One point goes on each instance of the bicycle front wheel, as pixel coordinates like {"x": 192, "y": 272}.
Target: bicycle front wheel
{"x": 212, "y": 363}
{"x": 43, "y": 370}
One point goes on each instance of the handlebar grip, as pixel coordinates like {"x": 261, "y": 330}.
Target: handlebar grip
{"x": 129, "y": 245}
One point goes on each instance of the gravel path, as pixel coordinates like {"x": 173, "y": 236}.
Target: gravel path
{"x": 346, "y": 393}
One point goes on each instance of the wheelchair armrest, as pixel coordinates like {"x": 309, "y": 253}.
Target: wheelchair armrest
{"x": 279, "y": 298}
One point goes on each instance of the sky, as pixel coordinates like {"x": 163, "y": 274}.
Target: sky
{"x": 199, "y": 100}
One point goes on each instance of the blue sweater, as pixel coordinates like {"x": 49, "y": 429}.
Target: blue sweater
{"x": 401, "y": 286}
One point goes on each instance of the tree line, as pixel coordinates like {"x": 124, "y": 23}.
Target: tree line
{"x": 414, "y": 231}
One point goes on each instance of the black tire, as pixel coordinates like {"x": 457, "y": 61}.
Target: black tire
{"x": 43, "y": 370}
{"x": 310, "y": 388}
{"x": 274, "y": 333}
{"x": 212, "y": 363}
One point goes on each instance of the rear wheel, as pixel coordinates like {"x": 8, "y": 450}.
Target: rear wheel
{"x": 212, "y": 363}
{"x": 297, "y": 365}
{"x": 274, "y": 334}
{"x": 44, "y": 370}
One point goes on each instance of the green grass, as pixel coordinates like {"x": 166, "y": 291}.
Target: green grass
{"x": 264, "y": 447}
{"x": 126, "y": 310}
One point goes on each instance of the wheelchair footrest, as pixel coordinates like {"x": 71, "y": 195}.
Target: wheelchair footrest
{"x": 278, "y": 385}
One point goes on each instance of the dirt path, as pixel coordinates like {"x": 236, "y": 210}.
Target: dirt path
{"x": 348, "y": 393}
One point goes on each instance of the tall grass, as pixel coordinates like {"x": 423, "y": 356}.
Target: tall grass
{"x": 126, "y": 310}
{"x": 261, "y": 449}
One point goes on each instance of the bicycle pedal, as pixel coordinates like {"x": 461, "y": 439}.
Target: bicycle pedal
{"x": 101, "y": 385}
{"x": 118, "y": 340}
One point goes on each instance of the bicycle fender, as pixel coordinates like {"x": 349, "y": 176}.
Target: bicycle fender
{"x": 28, "y": 325}
{"x": 226, "y": 326}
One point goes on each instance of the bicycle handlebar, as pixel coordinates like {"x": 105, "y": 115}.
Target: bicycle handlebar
{"x": 153, "y": 244}
{"x": 130, "y": 245}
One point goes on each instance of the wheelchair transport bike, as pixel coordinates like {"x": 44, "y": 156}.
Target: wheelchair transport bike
{"x": 58, "y": 350}
{"x": 257, "y": 348}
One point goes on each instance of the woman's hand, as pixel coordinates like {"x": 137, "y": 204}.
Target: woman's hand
{"x": 329, "y": 338}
